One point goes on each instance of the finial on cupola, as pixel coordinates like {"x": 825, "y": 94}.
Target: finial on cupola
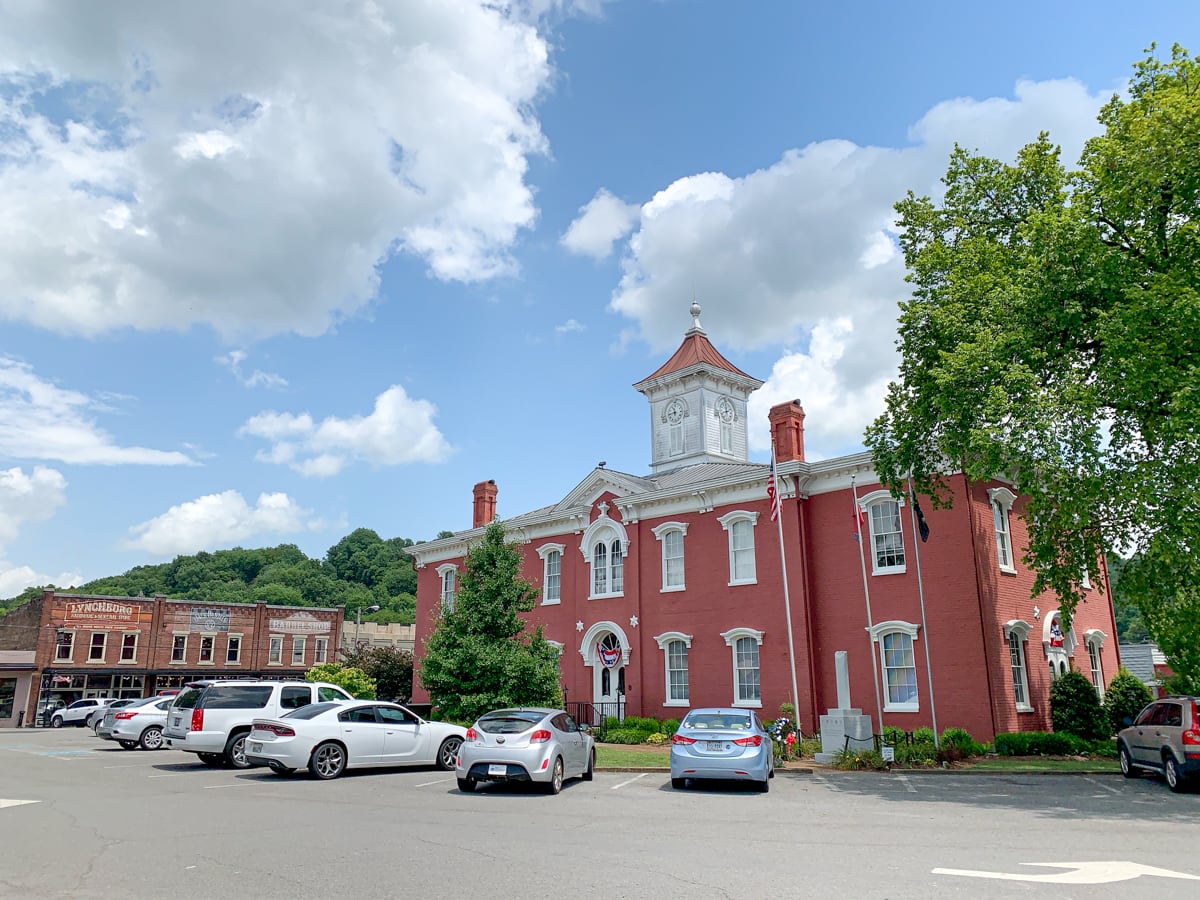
{"x": 695, "y": 311}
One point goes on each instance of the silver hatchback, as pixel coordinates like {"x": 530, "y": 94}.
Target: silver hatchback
{"x": 542, "y": 746}
{"x": 1164, "y": 738}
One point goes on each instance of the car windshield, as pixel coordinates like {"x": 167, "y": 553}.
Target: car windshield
{"x": 718, "y": 721}
{"x": 311, "y": 711}
{"x": 510, "y": 721}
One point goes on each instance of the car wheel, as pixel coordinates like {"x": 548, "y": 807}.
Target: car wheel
{"x": 96, "y": 727}
{"x": 448, "y": 753}
{"x": 56, "y": 722}
{"x": 556, "y": 777}
{"x": 235, "y": 752}
{"x": 591, "y": 769}
{"x": 466, "y": 785}
{"x": 281, "y": 769}
{"x": 1127, "y": 767}
{"x": 128, "y": 745}
{"x": 1175, "y": 781}
{"x": 328, "y": 761}
{"x": 764, "y": 785}
{"x": 152, "y": 738}
{"x": 679, "y": 783}
{"x": 212, "y": 760}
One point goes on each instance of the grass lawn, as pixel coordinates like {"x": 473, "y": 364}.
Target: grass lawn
{"x": 638, "y": 755}
{"x": 1043, "y": 764}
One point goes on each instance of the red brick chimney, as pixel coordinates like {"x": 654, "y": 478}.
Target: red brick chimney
{"x": 485, "y": 503}
{"x": 787, "y": 431}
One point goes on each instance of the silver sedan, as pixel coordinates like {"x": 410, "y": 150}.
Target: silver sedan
{"x": 722, "y": 744}
{"x": 543, "y": 746}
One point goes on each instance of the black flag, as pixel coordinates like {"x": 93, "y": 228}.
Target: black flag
{"x": 922, "y": 525}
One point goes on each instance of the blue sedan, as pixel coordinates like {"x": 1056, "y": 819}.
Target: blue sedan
{"x": 722, "y": 744}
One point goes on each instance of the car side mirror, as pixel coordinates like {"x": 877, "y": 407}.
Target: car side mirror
{"x": 585, "y": 728}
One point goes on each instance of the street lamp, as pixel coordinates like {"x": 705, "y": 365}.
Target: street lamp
{"x": 358, "y": 621}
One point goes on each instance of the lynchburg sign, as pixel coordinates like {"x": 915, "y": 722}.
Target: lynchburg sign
{"x": 99, "y": 612}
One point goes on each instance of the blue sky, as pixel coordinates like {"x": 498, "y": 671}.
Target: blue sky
{"x": 267, "y": 277}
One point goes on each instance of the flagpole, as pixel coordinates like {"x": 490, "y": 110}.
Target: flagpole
{"x": 776, "y": 503}
{"x": 912, "y": 514}
{"x": 867, "y": 596}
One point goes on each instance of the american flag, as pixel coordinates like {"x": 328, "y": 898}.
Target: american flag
{"x": 773, "y": 488}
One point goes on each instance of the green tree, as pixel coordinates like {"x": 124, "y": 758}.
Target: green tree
{"x": 1125, "y": 697}
{"x": 356, "y": 682}
{"x": 391, "y": 670}
{"x": 482, "y": 655}
{"x": 1051, "y": 337}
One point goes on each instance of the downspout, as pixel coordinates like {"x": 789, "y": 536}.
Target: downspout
{"x": 979, "y": 601}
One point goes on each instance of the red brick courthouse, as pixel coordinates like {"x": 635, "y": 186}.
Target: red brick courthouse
{"x": 79, "y": 646}
{"x": 667, "y": 590}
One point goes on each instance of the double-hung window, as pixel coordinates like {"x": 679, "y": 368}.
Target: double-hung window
{"x": 99, "y": 643}
{"x": 886, "y": 530}
{"x": 670, "y": 535}
{"x": 551, "y": 555}
{"x": 1001, "y": 500}
{"x": 448, "y": 574}
{"x": 1016, "y": 633}
{"x": 1094, "y": 639}
{"x": 675, "y": 646}
{"x": 898, "y": 664}
{"x": 747, "y": 676}
{"x": 740, "y": 527}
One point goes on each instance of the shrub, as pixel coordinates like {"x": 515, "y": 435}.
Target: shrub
{"x": 923, "y": 736}
{"x": 1125, "y": 698}
{"x": 895, "y": 736}
{"x": 1038, "y": 743}
{"x": 856, "y": 759}
{"x": 1075, "y": 707}
{"x": 669, "y": 727}
{"x": 625, "y": 736}
{"x": 961, "y": 740}
{"x": 657, "y": 738}
{"x": 638, "y": 723}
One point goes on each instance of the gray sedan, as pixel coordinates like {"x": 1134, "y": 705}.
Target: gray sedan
{"x": 722, "y": 744}
{"x": 543, "y": 746}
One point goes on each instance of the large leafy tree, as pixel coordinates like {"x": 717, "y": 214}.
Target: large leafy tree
{"x": 482, "y": 655}
{"x": 1052, "y": 337}
{"x": 390, "y": 668}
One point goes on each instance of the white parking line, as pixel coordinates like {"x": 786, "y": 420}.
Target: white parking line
{"x": 1107, "y": 787}
{"x": 428, "y": 783}
{"x": 132, "y": 766}
{"x": 630, "y": 781}
{"x": 903, "y": 779}
{"x": 169, "y": 775}
{"x": 214, "y": 787}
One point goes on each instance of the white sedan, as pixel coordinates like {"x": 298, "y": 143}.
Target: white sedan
{"x": 328, "y": 738}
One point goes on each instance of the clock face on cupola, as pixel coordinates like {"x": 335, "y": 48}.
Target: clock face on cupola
{"x": 697, "y": 405}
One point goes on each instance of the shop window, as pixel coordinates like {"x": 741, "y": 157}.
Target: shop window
{"x": 98, "y": 645}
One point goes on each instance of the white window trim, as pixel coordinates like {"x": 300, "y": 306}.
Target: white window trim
{"x": 1004, "y": 499}
{"x": 320, "y": 651}
{"x": 663, "y": 640}
{"x": 557, "y": 645}
{"x": 602, "y": 531}
{"x": 270, "y": 642}
{"x": 865, "y": 502}
{"x": 1094, "y": 637}
{"x": 103, "y": 649}
{"x": 228, "y": 638}
{"x": 303, "y": 639}
{"x": 137, "y": 640}
{"x": 731, "y": 638}
{"x": 1021, "y": 629}
{"x": 1058, "y": 657}
{"x": 877, "y": 632}
{"x": 212, "y": 659}
{"x": 544, "y": 552}
{"x": 70, "y": 657}
{"x": 171, "y": 652}
{"x": 444, "y": 604}
{"x": 727, "y": 520}
{"x": 661, "y": 532}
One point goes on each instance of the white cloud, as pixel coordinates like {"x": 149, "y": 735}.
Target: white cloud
{"x": 399, "y": 430}
{"x": 28, "y": 498}
{"x": 14, "y": 579}
{"x": 39, "y": 420}
{"x": 163, "y": 165}
{"x": 570, "y": 326}
{"x": 600, "y": 224}
{"x": 258, "y": 378}
{"x": 217, "y": 521}
{"x": 801, "y": 255}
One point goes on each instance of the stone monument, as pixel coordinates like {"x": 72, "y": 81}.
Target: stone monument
{"x": 844, "y": 722}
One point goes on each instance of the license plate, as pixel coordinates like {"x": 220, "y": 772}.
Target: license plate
{"x": 494, "y": 769}
{"x": 256, "y": 748}
{"x": 716, "y": 745}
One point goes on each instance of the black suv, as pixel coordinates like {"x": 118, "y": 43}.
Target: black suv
{"x": 1165, "y": 737}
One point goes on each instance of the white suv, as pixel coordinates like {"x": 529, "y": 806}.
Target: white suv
{"x": 212, "y": 718}
{"x": 77, "y": 713}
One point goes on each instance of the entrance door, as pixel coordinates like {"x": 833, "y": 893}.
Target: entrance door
{"x": 608, "y": 681}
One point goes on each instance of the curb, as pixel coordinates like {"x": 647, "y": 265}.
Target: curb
{"x": 666, "y": 770}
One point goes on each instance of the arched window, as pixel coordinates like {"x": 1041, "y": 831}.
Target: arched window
{"x": 449, "y": 576}
{"x": 897, "y": 656}
{"x": 747, "y": 677}
{"x": 675, "y": 646}
{"x": 886, "y": 532}
{"x": 1094, "y": 639}
{"x": 1002, "y": 500}
{"x": 551, "y": 555}
{"x": 604, "y": 548}
{"x": 670, "y": 535}
{"x": 740, "y": 527}
{"x": 1016, "y": 633}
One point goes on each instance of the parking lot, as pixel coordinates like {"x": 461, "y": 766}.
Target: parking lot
{"x": 112, "y": 823}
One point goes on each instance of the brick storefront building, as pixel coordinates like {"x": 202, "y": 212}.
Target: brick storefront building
{"x": 90, "y": 646}
{"x": 667, "y": 590}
